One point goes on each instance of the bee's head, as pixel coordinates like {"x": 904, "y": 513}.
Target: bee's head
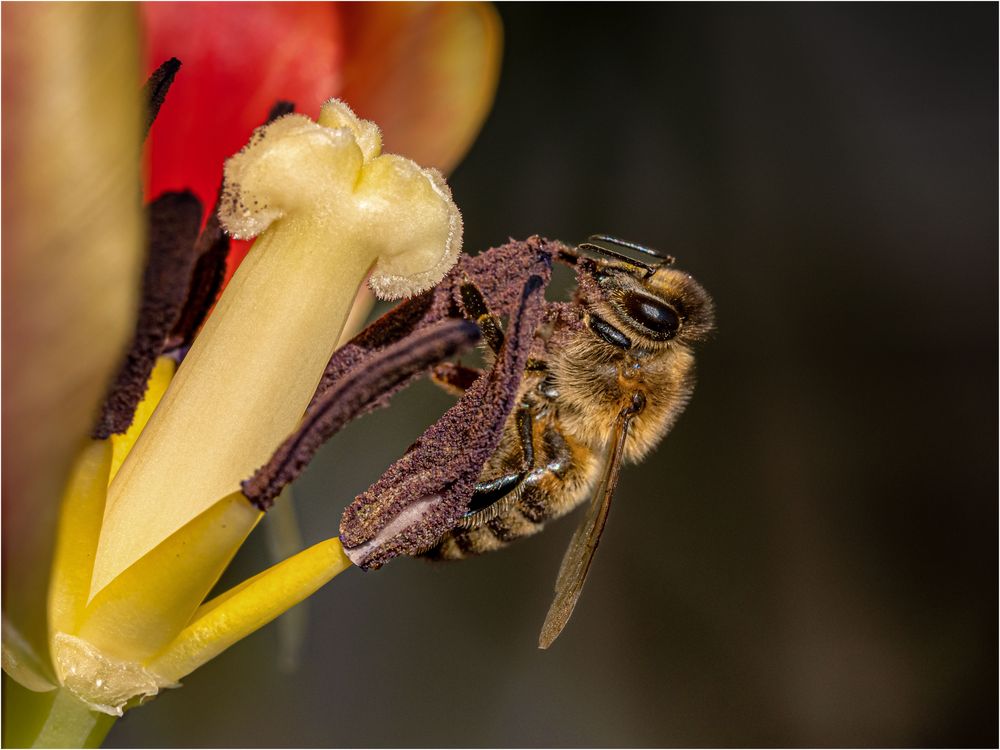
{"x": 652, "y": 304}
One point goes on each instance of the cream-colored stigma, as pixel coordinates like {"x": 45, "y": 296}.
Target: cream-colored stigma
{"x": 332, "y": 174}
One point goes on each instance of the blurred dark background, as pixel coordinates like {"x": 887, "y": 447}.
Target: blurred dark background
{"x": 810, "y": 558}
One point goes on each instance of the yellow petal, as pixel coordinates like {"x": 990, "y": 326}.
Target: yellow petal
{"x": 234, "y": 615}
{"x": 72, "y": 260}
{"x": 159, "y": 379}
{"x": 145, "y": 607}
{"x": 425, "y": 72}
{"x": 79, "y": 529}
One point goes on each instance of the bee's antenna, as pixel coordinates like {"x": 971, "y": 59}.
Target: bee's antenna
{"x": 590, "y": 244}
{"x": 668, "y": 260}
{"x": 650, "y": 270}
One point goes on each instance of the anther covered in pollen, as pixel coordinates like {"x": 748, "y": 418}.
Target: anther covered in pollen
{"x": 175, "y": 250}
{"x": 425, "y": 493}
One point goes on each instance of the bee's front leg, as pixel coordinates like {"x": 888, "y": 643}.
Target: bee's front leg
{"x": 493, "y": 496}
{"x": 454, "y": 378}
{"x": 489, "y": 323}
{"x": 476, "y": 309}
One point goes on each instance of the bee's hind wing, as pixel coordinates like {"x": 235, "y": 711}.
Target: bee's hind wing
{"x": 580, "y": 553}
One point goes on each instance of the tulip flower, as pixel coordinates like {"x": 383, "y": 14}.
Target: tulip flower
{"x": 152, "y": 513}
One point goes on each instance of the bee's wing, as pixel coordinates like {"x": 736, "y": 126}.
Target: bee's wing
{"x": 583, "y": 545}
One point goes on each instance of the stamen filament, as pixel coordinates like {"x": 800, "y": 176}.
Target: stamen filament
{"x": 235, "y": 614}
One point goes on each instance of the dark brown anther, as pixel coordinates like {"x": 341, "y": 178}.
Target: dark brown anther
{"x": 156, "y": 88}
{"x": 211, "y": 249}
{"x": 426, "y": 492}
{"x": 280, "y": 108}
{"x": 350, "y": 396}
{"x": 174, "y": 219}
{"x": 499, "y": 273}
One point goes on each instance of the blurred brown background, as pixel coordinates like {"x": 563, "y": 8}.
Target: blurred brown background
{"x": 811, "y": 557}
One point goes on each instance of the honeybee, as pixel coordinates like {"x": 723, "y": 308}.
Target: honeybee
{"x": 607, "y": 378}
{"x": 574, "y": 389}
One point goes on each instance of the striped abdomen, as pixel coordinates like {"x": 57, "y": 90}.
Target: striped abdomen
{"x": 562, "y": 473}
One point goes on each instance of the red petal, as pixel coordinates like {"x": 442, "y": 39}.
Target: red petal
{"x": 238, "y": 59}
{"x": 425, "y": 72}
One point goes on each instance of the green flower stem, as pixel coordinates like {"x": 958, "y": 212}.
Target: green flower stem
{"x": 53, "y": 719}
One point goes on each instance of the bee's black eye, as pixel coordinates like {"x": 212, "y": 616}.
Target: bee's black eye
{"x": 659, "y": 318}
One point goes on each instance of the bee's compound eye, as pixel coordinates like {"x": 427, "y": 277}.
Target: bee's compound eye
{"x": 658, "y": 317}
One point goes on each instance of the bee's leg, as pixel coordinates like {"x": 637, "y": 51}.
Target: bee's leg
{"x": 476, "y": 309}
{"x": 489, "y": 324}
{"x": 536, "y": 365}
{"x": 494, "y": 496}
{"x": 454, "y": 378}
